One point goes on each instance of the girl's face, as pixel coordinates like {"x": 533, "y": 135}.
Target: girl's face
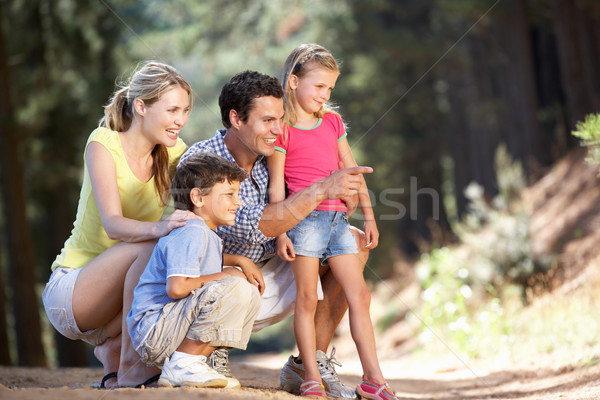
{"x": 312, "y": 90}
{"x": 163, "y": 119}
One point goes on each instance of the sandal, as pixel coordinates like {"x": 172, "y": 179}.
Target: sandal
{"x": 374, "y": 391}
{"x": 102, "y": 383}
{"x": 312, "y": 389}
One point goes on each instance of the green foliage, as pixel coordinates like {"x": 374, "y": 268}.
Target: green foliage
{"x": 493, "y": 260}
{"x": 589, "y": 132}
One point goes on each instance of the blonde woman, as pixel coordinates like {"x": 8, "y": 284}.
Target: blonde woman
{"x": 129, "y": 161}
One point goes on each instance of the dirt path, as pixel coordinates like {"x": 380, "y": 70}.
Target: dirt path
{"x": 410, "y": 378}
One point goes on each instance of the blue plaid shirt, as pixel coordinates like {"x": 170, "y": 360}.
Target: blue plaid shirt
{"x": 244, "y": 238}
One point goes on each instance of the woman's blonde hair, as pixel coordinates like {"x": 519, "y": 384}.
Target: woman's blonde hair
{"x": 301, "y": 60}
{"x": 148, "y": 82}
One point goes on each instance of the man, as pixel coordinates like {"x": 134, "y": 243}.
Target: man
{"x": 252, "y": 111}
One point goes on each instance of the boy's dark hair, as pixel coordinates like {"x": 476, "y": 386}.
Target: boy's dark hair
{"x": 202, "y": 170}
{"x": 239, "y": 93}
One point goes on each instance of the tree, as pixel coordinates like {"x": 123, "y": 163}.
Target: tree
{"x": 63, "y": 69}
{"x": 20, "y": 248}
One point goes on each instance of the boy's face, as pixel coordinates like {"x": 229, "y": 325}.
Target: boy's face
{"x": 220, "y": 205}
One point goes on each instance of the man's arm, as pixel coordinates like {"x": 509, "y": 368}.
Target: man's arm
{"x": 280, "y": 217}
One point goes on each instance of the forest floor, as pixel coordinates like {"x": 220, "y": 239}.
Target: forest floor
{"x": 556, "y": 355}
{"x": 410, "y": 379}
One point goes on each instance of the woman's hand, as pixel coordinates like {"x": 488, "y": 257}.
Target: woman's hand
{"x": 285, "y": 248}
{"x": 175, "y": 220}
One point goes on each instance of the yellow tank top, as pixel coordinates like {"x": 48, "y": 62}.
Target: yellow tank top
{"x": 139, "y": 201}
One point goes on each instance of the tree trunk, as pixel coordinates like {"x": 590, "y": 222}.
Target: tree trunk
{"x": 20, "y": 249}
{"x": 578, "y": 38}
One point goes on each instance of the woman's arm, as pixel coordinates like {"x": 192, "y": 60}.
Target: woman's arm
{"x": 179, "y": 287}
{"x": 364, "y": 201}
{"x": 103, "y": 177}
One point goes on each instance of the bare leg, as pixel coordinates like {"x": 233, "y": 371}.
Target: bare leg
{"x": 306, "y": 271}
{"x": 332, "y": 308}
{"x": 98, "y": 296}
{"x": 195, "y": 347}
{"x": 108, "y": 353}
{"x": 348, "y": 272}
{"x": 132, "y": 370}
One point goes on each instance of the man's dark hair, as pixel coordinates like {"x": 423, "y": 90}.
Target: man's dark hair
{"x": 239, "y": 93}
{"x": 202, "y": 171}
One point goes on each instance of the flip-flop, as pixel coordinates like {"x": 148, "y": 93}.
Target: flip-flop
{"x": 148, "y": 381}
{"x": 102, "y": 384}
{"x": 142, "y": 385}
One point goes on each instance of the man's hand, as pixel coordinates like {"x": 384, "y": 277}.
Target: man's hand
{"x": 285, "y": 248}
{"x": 344, "y": 183}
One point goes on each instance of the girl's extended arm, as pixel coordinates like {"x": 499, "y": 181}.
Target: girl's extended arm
{"x": 364, "y": 201}
{"x": 276, "y": 164}
{"x": 103, "y": 176}
{"x": 179, "y": 287}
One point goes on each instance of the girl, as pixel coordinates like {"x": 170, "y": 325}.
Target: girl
{"x": 312, "y": 146}
{"x": 129, "y": 159}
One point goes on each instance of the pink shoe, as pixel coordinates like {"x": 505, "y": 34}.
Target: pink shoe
{"x": 312, "y": 389}
{"x": 371, "y": 390}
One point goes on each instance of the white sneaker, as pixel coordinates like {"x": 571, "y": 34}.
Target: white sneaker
{"x": 190, "y": 370}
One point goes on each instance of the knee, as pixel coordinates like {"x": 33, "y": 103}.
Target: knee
{"x": 361, "y": 298}
{"x": 247, "y": 295}
{"x": 306, "y": 301}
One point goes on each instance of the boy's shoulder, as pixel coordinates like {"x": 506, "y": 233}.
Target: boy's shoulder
{"x": 194, "y": 230}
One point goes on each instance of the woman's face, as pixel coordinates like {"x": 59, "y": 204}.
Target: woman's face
{"x": 162, "y": 120}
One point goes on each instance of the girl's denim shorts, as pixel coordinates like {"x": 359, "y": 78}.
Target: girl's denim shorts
{"x": 323, "y": 234}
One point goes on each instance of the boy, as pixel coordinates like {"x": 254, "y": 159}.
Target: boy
{"x": 185, "y": 304}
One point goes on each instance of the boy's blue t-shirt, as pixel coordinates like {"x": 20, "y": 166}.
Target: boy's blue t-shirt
{"x": 191, "y": 251}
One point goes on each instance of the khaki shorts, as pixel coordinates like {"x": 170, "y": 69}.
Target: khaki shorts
{"x": 221, "y": 314}
{"x": 58, "y": 302}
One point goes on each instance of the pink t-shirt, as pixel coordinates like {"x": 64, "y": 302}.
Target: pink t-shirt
{"x": 311, "y": 155}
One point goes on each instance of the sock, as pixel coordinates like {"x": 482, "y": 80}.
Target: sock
{"x": 178, "y": 355}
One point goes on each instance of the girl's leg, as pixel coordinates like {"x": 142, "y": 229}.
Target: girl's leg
{"x": 332, "y": 308}
{"x": 306, "y": 273}
{"x": 348, "y": 271}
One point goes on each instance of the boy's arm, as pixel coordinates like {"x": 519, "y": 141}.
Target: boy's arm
{"x": 179, "y": 287}
{"x": 276, "y": 164}
{"x": 250, "y": 270}
{"x": 364, "y": 201}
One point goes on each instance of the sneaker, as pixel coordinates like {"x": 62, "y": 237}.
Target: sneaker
{"x": 189, "y": 370}
{"x": 371, "y": 390}
{"x": 312, "y": 389}
{"x": 292, "y": 376}
{"x": 219, "y": 361}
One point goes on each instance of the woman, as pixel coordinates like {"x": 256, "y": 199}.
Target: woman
{"x": 129, "y": 161}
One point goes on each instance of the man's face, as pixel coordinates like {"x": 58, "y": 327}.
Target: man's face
{"x": 263, "y": 126}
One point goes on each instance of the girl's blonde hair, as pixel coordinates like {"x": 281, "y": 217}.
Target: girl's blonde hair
{"x": 148, "y": 82}
{"x": 301, "y": 60}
